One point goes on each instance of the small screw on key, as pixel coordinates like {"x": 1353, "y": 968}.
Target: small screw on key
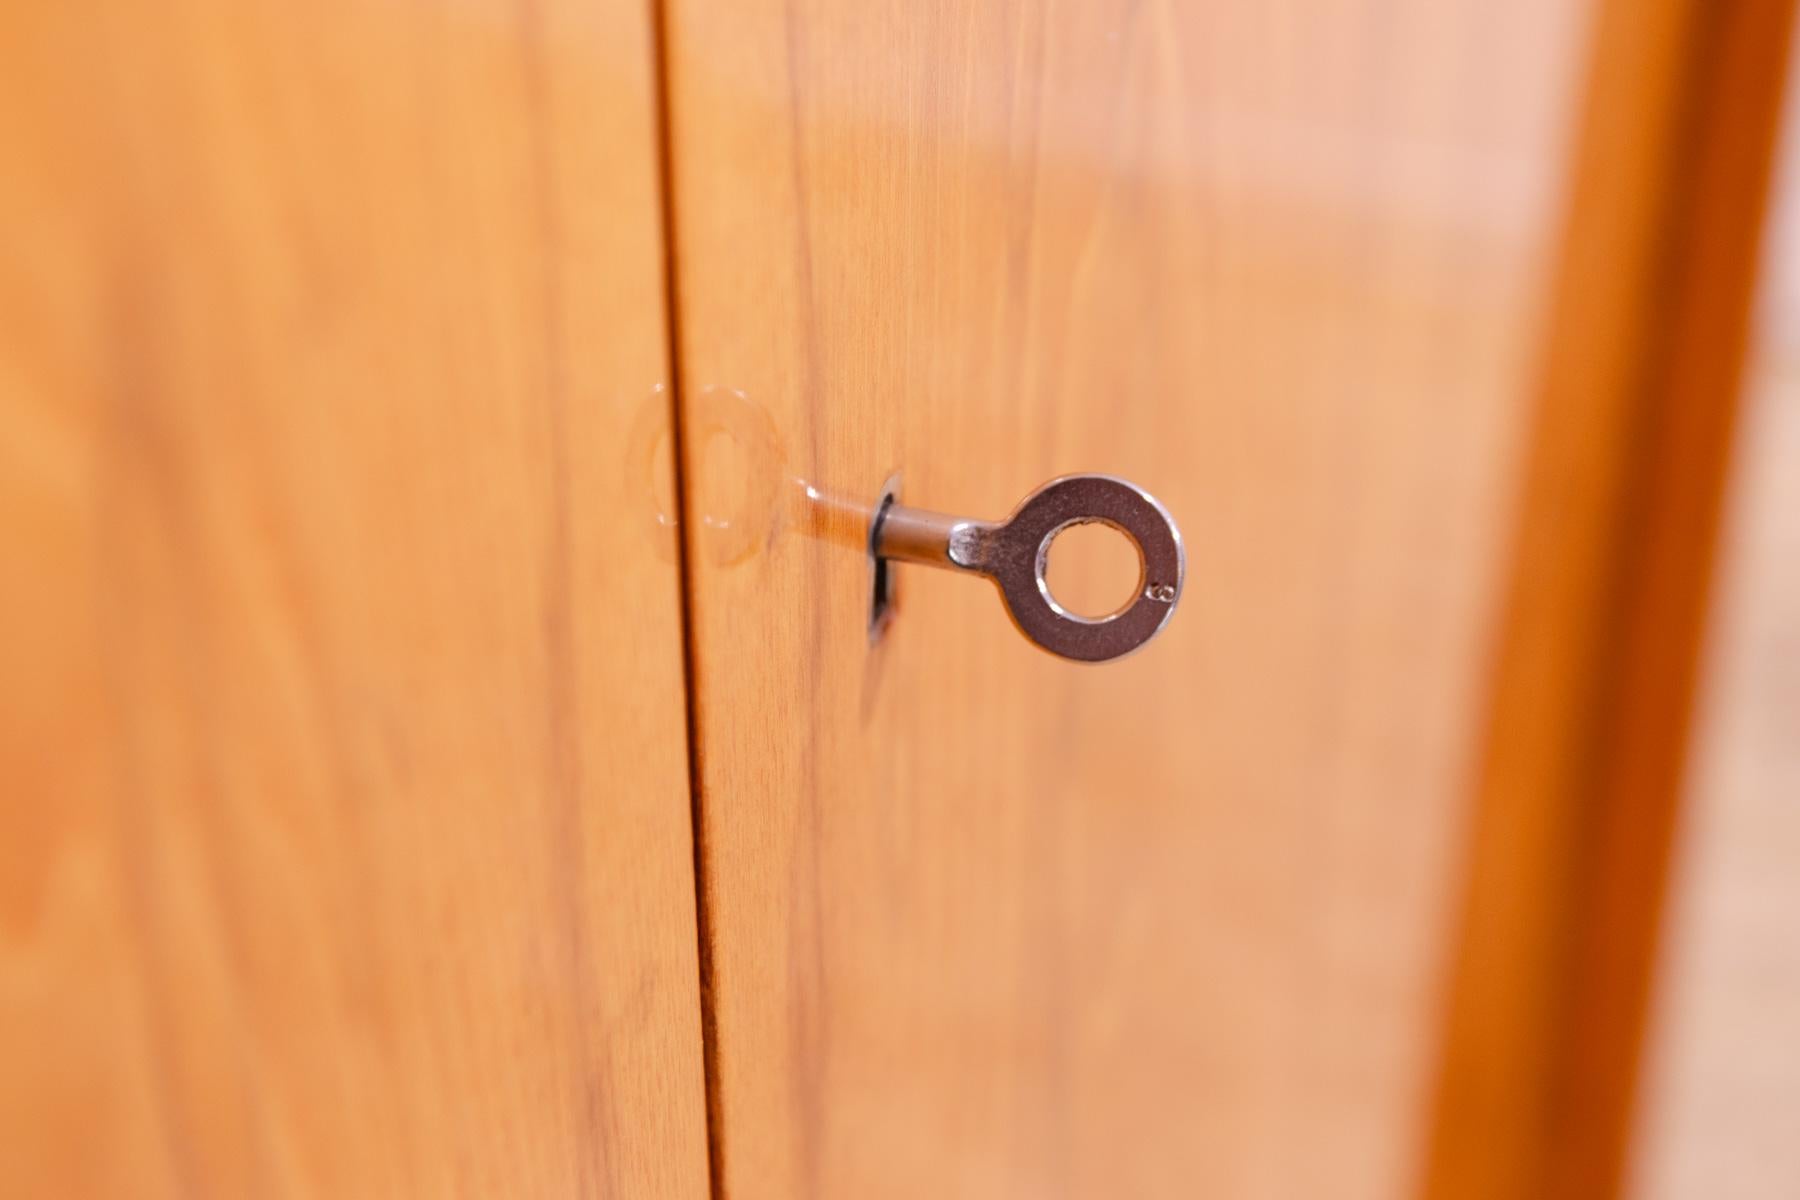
{"x": 1014, "y": 553}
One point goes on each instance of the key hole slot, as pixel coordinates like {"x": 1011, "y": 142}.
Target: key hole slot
{"x": 881, "y": 570}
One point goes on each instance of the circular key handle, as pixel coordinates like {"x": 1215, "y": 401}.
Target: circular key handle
{"x": 1016, "y": 552}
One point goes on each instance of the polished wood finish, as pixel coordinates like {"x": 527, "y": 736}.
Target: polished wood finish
{"x": 981, "y": 921}
{"x": 1594, "y": 671}
{"x": 344, "y": 833}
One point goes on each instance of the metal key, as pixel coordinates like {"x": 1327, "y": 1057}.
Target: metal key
{"x": 1015, "y": 552}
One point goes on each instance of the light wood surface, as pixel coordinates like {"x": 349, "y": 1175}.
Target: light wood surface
{"x": 344, "y": 833}
{"x": 1594, "y": 669}
{"x": 982, "y": 922}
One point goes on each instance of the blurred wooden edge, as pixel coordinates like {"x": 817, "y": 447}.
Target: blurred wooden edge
{"x": 1579, "y": 776}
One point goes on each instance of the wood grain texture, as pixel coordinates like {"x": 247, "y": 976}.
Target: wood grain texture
{"x": 344, "y": 833}
{"x": 1582, "y": 763}
{"x": 983, "y": 922}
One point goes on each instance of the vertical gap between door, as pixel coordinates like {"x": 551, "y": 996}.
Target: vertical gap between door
{"x": 665, "y": 162}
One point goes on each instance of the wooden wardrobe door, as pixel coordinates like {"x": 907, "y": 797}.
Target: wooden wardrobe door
{"x": 344, "y": 830}
{"x": 983, "y": 922}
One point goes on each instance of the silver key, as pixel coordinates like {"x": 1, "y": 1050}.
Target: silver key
{"x": 1014, "y": 553}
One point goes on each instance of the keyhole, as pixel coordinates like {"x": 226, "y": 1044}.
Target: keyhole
{"x": 881, "y": 571}
{"x": 1093, "y": 570}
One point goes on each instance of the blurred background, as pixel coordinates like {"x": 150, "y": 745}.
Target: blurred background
{"x": 1722, "y": 1092}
